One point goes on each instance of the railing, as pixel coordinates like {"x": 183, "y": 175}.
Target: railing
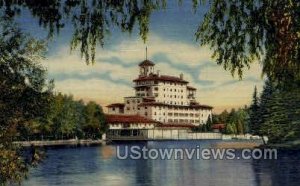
{"x": 114, "y": 137}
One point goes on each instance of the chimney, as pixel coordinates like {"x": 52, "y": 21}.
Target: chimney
{"x": 181, "y": 76}
{"x": 158, "y": 73}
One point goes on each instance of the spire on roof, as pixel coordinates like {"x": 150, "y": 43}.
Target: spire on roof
{"x": 146, "y": 52}
{"x": 146, "y": 62}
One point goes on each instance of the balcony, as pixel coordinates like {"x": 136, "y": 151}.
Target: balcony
{"x": 191, "y": 96}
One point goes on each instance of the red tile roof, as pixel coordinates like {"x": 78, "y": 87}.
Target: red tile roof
{"x": 218, "y": 126}
{"x": 162, "y": 78}
{"x": 191, "y": 88}
{"x": 116, "y": 105}
{"x": 126, "y": 119}
{"x": 178, "y": 106}
{"x": 146, "y": 63}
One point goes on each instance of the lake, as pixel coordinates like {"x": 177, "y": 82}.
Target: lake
{"x": 98, "y": 165}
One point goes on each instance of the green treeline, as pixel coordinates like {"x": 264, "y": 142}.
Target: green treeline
{"x": 276, "y": 113}
{"x": 30, "y": 110}
{"x": 236, "y": 121}
{"x": 65, "y": 118}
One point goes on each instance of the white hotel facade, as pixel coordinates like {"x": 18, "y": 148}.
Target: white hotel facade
{"x": 165, "y": 99}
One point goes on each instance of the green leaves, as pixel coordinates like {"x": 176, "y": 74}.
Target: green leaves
{"x": 242, "y": 32}
{"x": 276, "y": 115}
{"x": 23, "y": 97}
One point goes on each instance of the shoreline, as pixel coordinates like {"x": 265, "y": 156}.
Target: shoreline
{"x": 71, "y": 142}
{"x": 233, "y": 143}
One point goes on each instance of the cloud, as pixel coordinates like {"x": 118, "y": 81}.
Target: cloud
{"x": 102, "y": 91}
{"x": 110, "y": 78}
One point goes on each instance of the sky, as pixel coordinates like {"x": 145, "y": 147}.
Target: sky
{"x": 171, "y": 46}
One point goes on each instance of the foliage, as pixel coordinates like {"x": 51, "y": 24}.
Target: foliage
{"x": 28, "y": 106}
{"x": 254, "y": 114}
{"x": 23, "y": 96}
{"x": 91, "y": 20}
{"x": 241, "y": 32}
{"x": 95, "y": 121}
{"x": 277, "y": 114}
{"x": 67, "y": 118}
{"x": 235, "y": 121}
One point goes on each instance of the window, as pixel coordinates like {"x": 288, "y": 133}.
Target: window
{"x": 145, "y": 107}
{"x": 138, "y": 101}
{"x": 128, "y": 108}
{"x": 113, "y": 109}
{"x": 156, "y": 88}
{"x": 175, "y": 95}
{"x": 146, "y": 113}
{"x": 155, "y": 113}
{"x": 128, "y": 102}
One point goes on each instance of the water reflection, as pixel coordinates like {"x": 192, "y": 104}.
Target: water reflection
{"x": 99, "y": 166}
{"x": 283, "y": 171}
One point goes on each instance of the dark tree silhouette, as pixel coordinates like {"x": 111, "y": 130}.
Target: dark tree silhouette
{"x": 91, "y": 20}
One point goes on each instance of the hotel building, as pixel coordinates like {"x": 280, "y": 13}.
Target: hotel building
{"x": 168, "y": 100}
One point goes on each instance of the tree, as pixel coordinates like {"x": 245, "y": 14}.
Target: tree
{"x": 223, "y": 117}
{"x": 95, "y": 122}
{"x": 230, "y": 128}
{"x": 208, "y": 125}
{"x": 236, "y": 121}
{"x": 91, "y": 20}
{"x": 24, "y": 96}
{"x": 241, "y": 32}
{"x": 254, "y": 114}
{"x": 280, "y": 114}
